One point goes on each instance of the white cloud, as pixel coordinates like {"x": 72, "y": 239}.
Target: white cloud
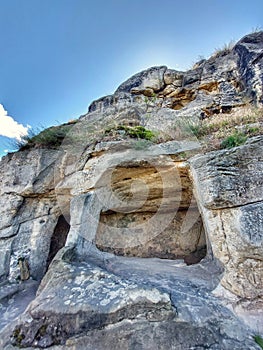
{"x": 9, "y": 127}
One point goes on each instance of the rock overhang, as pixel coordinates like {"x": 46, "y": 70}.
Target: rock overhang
{"x": 231, "y": 210}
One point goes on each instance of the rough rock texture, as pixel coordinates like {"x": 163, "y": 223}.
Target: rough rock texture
{"x": 28, "y": 206}
{"x": 250, "y": 54}
{"x": 229, "y": 185}
{"x": 163, "y": 244}
{"x": 231, "y": 178}
{"x": 97, "y": 297}
{"x": 220, "y": 83}
{"x": 149, "y": 305}
{"x": 171, "y": 242}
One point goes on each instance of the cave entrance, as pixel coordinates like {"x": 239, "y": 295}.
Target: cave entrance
{"x": 58, "y": 239}
{"x": 182, "y": 238}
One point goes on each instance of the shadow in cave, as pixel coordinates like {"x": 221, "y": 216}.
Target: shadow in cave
{"x": 58, "y": 239}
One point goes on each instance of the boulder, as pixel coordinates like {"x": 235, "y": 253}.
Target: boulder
{"x": 148, "y": 80}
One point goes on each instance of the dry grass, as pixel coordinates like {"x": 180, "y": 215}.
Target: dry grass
{"x": 213, "y": 130}
{"x": 224, "y": 50}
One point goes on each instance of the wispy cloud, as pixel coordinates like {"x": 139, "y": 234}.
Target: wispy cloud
{"x": 9, "y": 127}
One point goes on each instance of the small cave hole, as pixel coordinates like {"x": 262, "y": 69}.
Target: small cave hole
{"x": 58, "y": 239}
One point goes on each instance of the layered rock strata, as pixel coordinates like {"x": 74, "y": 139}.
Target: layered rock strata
{"x": 139, "y": 238}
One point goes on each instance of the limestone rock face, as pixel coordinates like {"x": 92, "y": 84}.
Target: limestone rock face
{"x": 28, "y": 208}
{"x": 249, "y": 50}
{"x": 138, "y": 236}
{"x": 229, "y": 186}
{"x": 224, "y": 81}
{"x": 231, "y": 178}
{"x": 100, "y": 299}
{"x": 82, "y": 304}
{"x": 31, "y": 173}
{"x": 148, "y": 81}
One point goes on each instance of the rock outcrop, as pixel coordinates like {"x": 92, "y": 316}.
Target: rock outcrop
{"x": 139, "y": 237}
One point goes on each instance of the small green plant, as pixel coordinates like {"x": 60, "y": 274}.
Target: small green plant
{"x": 236, "y": 139}
{"x": 259, "y": 340}
{"x": 191, "y": 127}
{"x": 154, "y": 97}
{"x": 196, "y": 129}
{"x": 139, "y": 132}
{"x": 253, "y": 130}
{"x": 41, "y": 332}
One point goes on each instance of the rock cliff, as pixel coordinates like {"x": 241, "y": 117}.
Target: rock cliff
{"x": 142, "y": 228}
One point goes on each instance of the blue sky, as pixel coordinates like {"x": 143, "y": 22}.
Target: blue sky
{"x": 57, "y": 56}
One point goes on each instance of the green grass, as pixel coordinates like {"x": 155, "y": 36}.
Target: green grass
{"x": 236, "y": 139}
{"x": 253, "y": 130}
{"x": 48, "y": 138}
{"x": 197, "y": 129}
{"x": 226, "y": 130}
{"x": 138, "y": 132}
{"x": 259, "y": 340}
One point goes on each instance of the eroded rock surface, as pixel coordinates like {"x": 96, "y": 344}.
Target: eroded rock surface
{"x": 163, "y": 243}
{"x": 230, "y": 188}
{"x": 150, "y": 300}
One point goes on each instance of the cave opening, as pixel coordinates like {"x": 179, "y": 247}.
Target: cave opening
{"x": 183, "y": 237}
{"x": 58, "y": 239}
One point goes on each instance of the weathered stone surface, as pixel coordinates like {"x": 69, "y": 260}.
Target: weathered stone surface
{"x": 227, "y": 78}
{"x": 135, "y": 304}
{"x": 36, "y": 224}
{"x": 77, "y": 298}
{"x": 238, "y": 247}
{"x": 9, "y": 204}
{"x": 173, "y": 77}
{"x": 28, "y": 172}
{"x": 109, "y": 186}
{"x": 152, "y": 78}
{"x": 153, "y": 191}
{"x": 5, "y": 253}
{"x": 14, "y": 299}
{"x": 232, "y": 177}
{"x": 249, "y": 50}
{"x": 229, "y": 186}
{"x": 151, "y": 335}
{"x": 171, "y": 243}
{"x": 28, "y": 210}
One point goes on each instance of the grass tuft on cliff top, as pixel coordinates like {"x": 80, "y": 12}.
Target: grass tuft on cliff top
{"x": 48, "y": 138}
